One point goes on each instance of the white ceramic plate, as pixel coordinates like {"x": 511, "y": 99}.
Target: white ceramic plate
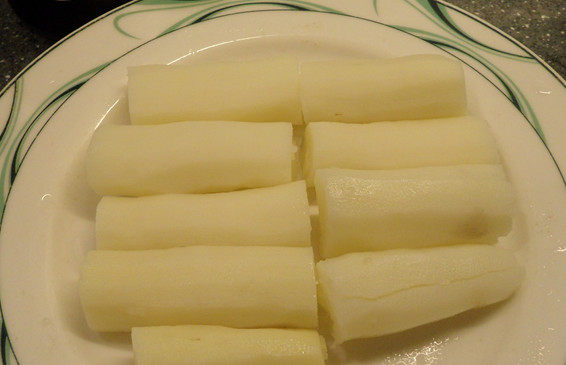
{"x": 51, "y": 109}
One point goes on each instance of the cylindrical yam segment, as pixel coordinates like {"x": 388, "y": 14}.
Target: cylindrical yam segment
{"x": 363, "y": 210}
{"x": 371, "y": 294}
{"x": 250, "y": 91}
{"x": 216, "y": 285}
{"x": 215, "y": 345}
{"x": 272, "y": 216}
{"x": 397, "y": 145}
{"x": 373, "y": 90}
{"x": 189, "y": 157}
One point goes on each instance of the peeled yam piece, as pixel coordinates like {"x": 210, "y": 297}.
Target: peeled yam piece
{"x": 215, "y": 345}
{"x": 397, "y": 145}
{"x": 373, "y": 90}
{"x": 273, "y": 216}
{"x": 216, "y": 285}
{"x": 189, "y": 157}
{"x": 371, "y": 294}
{"x": 250, "y": 91}
{"x": 363, "y": 210}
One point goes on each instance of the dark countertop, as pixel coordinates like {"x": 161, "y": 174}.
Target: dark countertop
{"x": 538, "y": 24}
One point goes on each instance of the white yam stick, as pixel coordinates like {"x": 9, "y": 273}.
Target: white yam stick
{"x": 250, "y": 91}
{"x": 217, "y": 285}
{"x": 189, "y": 157}
{"x": 371, "y": 294}
{"x": 272, "y": 216}
{"x": 363, "y": 210}
{"x": 395, "y": 145}
{"x": 373, "y": 90}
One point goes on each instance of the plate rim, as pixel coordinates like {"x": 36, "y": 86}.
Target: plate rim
{"x": 467, "y": 13}
{"x": 4, "y": 331}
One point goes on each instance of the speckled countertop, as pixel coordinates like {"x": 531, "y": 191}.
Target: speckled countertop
{"x": 539, "y": 24}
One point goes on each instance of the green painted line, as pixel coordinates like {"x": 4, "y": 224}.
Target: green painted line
{"x": 524, "y": 105}
{"x": 291, "y": 5}
{"x": 53, "y": 104}
{"x": 14, "y": 112}
{"x": 220, "y": 4}
{"x": 316, "y": 6}
{"x": 117, "y": 19}
{"x": 165, "y": 5}
{"x": 52, "y": 97}
{"x": 430, "y": 14}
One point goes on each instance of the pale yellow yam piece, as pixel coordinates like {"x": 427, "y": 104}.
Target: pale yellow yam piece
{"x": 215, "y": 345}
{"x": 397, "y": 145}
{"x": 273, "y": 216}
{"x": 365, "y": 210}
{"x": 371, "y": 294}
{"x": 373, "y": 90}
{"x": 264, "y": 90}
{"x": 217, "y": 285}
{"x": 189, "y": 157}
